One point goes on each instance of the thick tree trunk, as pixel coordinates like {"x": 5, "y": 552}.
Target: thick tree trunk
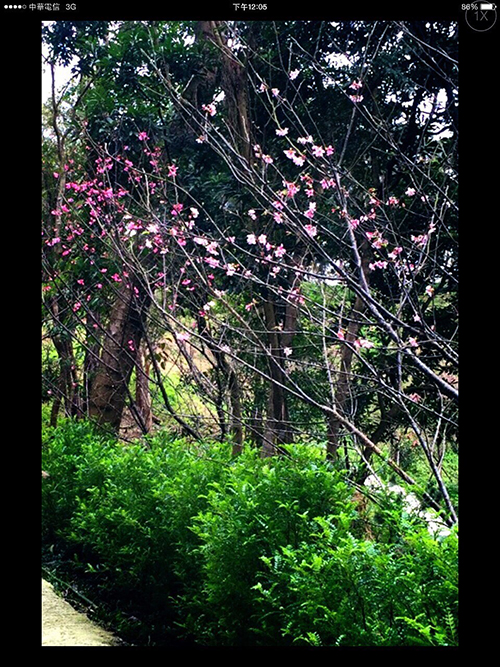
{"x": 142, "y": 391}
{"x": 119, "y": 354}
{"x": 235, "y": 88}
{"x": 67, "y": 382}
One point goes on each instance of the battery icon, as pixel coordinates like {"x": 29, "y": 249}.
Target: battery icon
{"x": 487, "y": 5}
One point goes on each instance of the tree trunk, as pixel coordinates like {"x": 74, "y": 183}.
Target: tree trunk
{"x": 234, "y": 85}
{"x": 227, "y": 371}
{"x": 67, "y": 381}
{"x": 343, "y": 386}
{"x": 277, "y": 429}
{"x": 119, "y": 355}
{"x": 142, "y": 391}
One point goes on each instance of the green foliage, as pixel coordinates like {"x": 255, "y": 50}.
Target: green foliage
{"x": 336, "y": 589}
{"x": 244, "y": 551}
{"x": 261, "y": 507}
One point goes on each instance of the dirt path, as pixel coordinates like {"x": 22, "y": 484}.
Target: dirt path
{"x": 64, "y": 626}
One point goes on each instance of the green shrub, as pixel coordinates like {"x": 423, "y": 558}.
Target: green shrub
{"x": 336, "y": 589}
{"x": 261, "y": 507}
{"x": 72, "y": 455}
{"x": 242, "y": 551}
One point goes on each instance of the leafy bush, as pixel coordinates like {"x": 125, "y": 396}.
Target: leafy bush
{"x": 336, "y": 589}
{"x": 241, "y": 551}
{"x": 260, "y": 507}
{"x": 73, "y": 456}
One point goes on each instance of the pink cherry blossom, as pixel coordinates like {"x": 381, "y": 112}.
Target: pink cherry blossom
{"x": 356, "y": 85}
{"x": 311, "y": 230}
{"x": 252, "y": 214}
{"x": 429, "y": 290}
{"x": 397, "y": 251}
{"x": 262, "y": 239}
{"x": 294, "y": 74}
{"x": 280, "y": 251}
{"x": 172, "y": 170}
{"x": 212, "y": 261}
{"x": 378, "y": 265}
{"x": 420, "y": 240}
{"x": 251, "y": 239}
{"x": 363, "y": 343}
{"x": 142, "y": 136}
{"x": 298, "y": 160}
{"x": 209, "y": 108}
{"x": 287, "y": 351}
{"x": 212, "y": 248}
{"x": 318, "y": 151}
{"x": 410, "y": 192}
{"x": 282, "y": 132}
{"x": 311, "y": 210}
{"x": 291, "y": 189}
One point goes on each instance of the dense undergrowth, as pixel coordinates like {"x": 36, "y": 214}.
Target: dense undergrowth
{"x": 187, "y": 543}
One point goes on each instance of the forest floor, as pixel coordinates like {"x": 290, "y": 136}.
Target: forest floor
{"x": 62, "y": 625}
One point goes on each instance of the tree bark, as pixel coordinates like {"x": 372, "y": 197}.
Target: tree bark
{"x": 142, "y": 391}
{"x": 67, "y": 381}
{"x": 234, "y": 86}
{"x": 277, "y": 429}
{"x": 343, "y": 385}
{"x": 119, "y": 355}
